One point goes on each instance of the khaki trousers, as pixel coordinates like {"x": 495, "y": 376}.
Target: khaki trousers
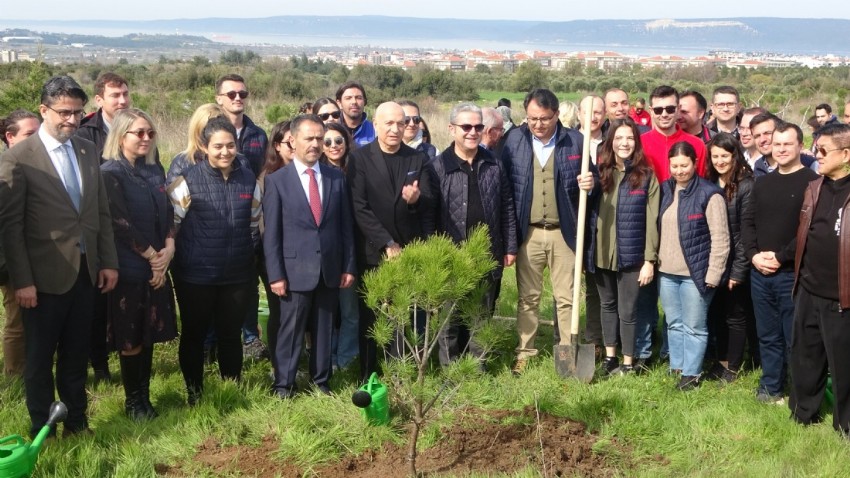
{"x": 543, "y": 248}
{"x": 13, "y": 335}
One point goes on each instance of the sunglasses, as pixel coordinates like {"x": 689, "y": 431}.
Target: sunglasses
{"x": 468, "y": 127}
{"x": 233, "y": 94}
{"x": 334, "y": 141}
{"x": 823, "y": 151}
{"x": 325, "y": 116}
{"x": 669, "y": 109}
{"x": 415, "y": 119}
{"x": 143, "y": 133}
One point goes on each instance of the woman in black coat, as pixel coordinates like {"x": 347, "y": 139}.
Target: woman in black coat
{"x": 140, "y": 310}
{"x": 731, "y": 311}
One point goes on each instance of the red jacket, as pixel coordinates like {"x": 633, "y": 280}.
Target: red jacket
{"x": 641, "y": 118}
{"x": 656, "y": 146}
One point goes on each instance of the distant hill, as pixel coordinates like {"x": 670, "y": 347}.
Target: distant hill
{"x": 781, "y": 35}
{"x": 133, "y": 40}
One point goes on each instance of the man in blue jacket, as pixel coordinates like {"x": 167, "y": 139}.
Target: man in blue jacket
{"x": 543, "y": 160}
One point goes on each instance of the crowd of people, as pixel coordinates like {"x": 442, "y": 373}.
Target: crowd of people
{"x": 728, "y": 220}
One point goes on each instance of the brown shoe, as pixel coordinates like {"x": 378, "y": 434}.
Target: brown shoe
{"x": 519, "y": 366}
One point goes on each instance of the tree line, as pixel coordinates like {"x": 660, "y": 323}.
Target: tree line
{"x": 175, "y": 88}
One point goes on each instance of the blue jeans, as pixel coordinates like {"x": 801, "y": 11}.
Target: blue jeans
{"x": 686, "y": 310}
{"x": 647, "y": 319}
{"x": 774, "y": 311}
{"x": 345, "y": 343}
{"x": 250, "y": 327}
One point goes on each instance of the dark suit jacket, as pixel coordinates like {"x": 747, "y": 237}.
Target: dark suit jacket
{"x": 296, "y": 249}
{"x": 379, "y": 211}
{"x": 41, "y": 228}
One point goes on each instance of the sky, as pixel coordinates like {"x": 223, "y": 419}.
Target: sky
{"x": 553, "y": 10}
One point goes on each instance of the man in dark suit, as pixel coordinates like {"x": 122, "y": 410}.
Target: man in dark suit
{"x": 393, "y": 204}
{"x": 309, "y": 249}
{"x": 58, "y": 240}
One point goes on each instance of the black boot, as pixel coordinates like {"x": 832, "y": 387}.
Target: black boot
{"x": 145, "y": 366}
{"x": 133, "y": 405}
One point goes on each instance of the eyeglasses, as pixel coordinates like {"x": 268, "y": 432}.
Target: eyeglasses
{"x": 334, "y": 141}
{"x": 288, "y": 144}
{"x": 325, "y": 116}
{"x": 823, "y": 151}
{"x": 469, "y": 127}
{"x": 669, "y": 109}
{"x": 142, "y": 133}
{"x": 728, "y": 105}
{"x": 233, "y": 94}
{"x": 541, "y": 120}
{"x": 68, "y": 114}
{"x": 415, "y": 119}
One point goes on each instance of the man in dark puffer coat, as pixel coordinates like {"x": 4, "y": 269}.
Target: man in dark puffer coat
{"x": 474, "y": 190}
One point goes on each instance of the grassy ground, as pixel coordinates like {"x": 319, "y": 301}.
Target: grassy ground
{"x": 713, "y": 431}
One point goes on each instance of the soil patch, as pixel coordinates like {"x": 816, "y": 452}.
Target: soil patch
{"x": 479, "y": 441}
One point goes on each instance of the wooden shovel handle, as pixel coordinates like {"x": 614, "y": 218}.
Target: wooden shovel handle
{"x": 582, "y": 215}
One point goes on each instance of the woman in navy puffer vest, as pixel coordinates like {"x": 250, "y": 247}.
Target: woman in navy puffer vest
{"x": 691, "y": 260}
{"x": 626, "y": 238}
{"x": 217, "y": 212}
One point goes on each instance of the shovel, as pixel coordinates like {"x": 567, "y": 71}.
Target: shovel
{"x": 578, "y": 360}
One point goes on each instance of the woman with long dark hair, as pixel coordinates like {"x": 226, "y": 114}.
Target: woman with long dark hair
{"x": 731, "y": 311}
{"x": 626, "y": 238}
{"x": 140, "y": 310}
{"x": 337, "y": 145}
{"x": 692, "y": 254}
{"x": 217, "y": 206}
{"x": 327, "y": 110}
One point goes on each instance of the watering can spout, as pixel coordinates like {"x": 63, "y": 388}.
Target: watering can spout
{"x": 58, "y": 412}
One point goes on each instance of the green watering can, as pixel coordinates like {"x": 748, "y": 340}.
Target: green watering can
{"x": 17, "y": 458}
{"x": 373, "y": 401}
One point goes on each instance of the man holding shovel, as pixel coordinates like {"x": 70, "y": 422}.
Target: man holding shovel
{"x": 543, "y": 161}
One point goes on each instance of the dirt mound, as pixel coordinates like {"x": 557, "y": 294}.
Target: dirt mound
{"x": 480, "y": 441}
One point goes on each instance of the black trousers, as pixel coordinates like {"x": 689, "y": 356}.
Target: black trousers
{"x": 60, "y": 326}
{"x": 298, "y": 311}
{"x": 99, "y": 353}
{"x": 618, "y": 295}
{"x": 820, "y": 341}
{"x": 221, "y": 306}
{"x": 368, "y": 346}
{"x": 455, "y": 338}
{"x": 730, "y": 318}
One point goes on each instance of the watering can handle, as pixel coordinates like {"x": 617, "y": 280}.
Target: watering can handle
{"x": 17, "y": 438}
{"x": 373, "y": 381}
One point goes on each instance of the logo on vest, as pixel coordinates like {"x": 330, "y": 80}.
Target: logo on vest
{"x": 574, "y": 157}
{"x": 637, "y": 192}
{"x": 695, "y": 217}
{"x": 245, "y": 196}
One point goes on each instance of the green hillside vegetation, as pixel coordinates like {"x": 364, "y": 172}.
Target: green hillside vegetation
{"x": 171, "y": 90}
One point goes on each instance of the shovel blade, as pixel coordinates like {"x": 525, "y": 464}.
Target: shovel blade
{"x": 576, "y": 361}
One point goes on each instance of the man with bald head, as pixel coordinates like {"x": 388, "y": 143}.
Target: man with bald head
{"x": 393, "y": 200}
